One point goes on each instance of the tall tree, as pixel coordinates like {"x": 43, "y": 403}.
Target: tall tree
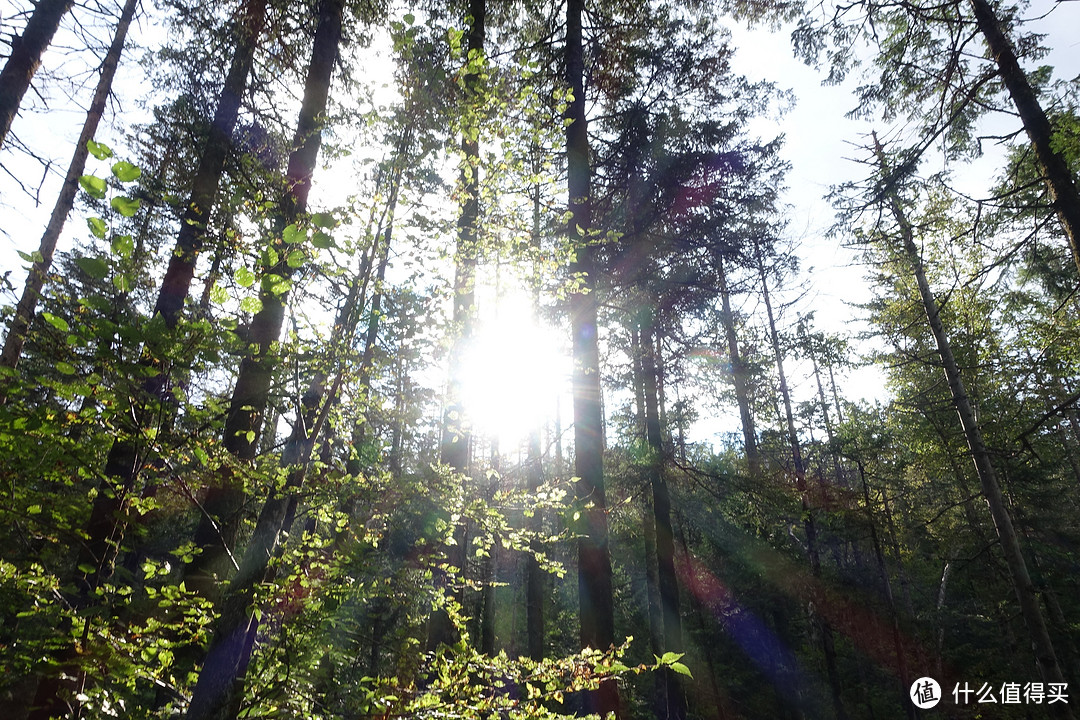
{"x": 1059, "y": 179}
{"x": 928, "y": 70}
{"x": 456, "y": 434}
{"x": 126, "y": 455}
{"x": 24, "y": 311}
{"x": 991, "y": 488}
{"x": 810, "y": 524}
{"x": 597, "y": 614}
{"x": 220, "y": 521}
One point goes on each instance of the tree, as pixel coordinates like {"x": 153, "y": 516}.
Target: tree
{"x": 456, "y": 434}
{"x": 929, "y": 72}
{"x": 594, "y": 563}
{"x": 25, "y": 310}
{"x": 991, "y": 488}
{"x": 220, "y": 522}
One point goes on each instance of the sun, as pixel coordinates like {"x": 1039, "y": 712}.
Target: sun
{"x": 514, "y": 370}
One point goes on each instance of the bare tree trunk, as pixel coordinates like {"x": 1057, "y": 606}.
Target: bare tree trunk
{"x": 24, "y": 311}
{"x": 1007, "y": 536}
{"x": 25, "y": 57}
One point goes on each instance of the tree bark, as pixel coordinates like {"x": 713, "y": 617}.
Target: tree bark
{"x": 1007, "y": 536}
{"x": 25, "y": 58}
{"x": 1059, "y": 179}
{"x": 25, "y": 310}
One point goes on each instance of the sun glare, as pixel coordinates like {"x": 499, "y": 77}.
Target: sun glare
{"x": 514, "y": 370}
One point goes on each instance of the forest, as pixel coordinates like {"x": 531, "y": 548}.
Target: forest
{"x": 452, "y": 359}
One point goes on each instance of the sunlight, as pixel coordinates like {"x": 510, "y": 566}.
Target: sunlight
{"x": 514, "y": 370}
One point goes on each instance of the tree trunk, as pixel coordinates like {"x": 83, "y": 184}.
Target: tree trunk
{"x": 594, "y": 562}
{"x": 648, "y": 522}
{"x": 25, "y": 310}
{"x": 809, "y": 523}
{"x": 1007, "y": 536}
{"x": 890, "y": 603}
{"x": 204, "y": 188}
{"x": 535, "y": 585}
{"x": 220, "y": 522}
{"x": 667, "y": 581}
{"x": 456, "y": 435}
{"x": 1056, "y": 173}
{"x": 738, "y": 375}
{"x": 25, "y": 57}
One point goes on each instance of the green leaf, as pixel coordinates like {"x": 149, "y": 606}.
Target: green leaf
{"x": 57, "y": 322}
{"x": 323, "y": 220}
{"x": 33, "y": 510}
{"x": 251, "y": 305}
{"x": 125, "y": 206}
{"x": 65, "y": 368}
{"x": 292, "y": 234}
{"x": 218, "y": 294}
{"x": 125, "y": 171}
{"x": 97, "y": 227}
{"x": 94, "y": 267}
{"x": 409, "y": 18}
{"x": 296, "y": 259}
{"x": 122, "y": 283}
{"x": 681, "y": 669}
{"x": 99, "y": 150}
{"x": 93, "y": 185}
{"x": 244, "y": 277}
{"x": 275, "y": 284}
{"x": 34, "y": 257}
{"x": 123, "y": 245}
{"x": 321, "y": 240}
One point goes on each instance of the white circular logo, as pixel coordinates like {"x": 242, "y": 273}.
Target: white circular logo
{"x": 925, "y": 693}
